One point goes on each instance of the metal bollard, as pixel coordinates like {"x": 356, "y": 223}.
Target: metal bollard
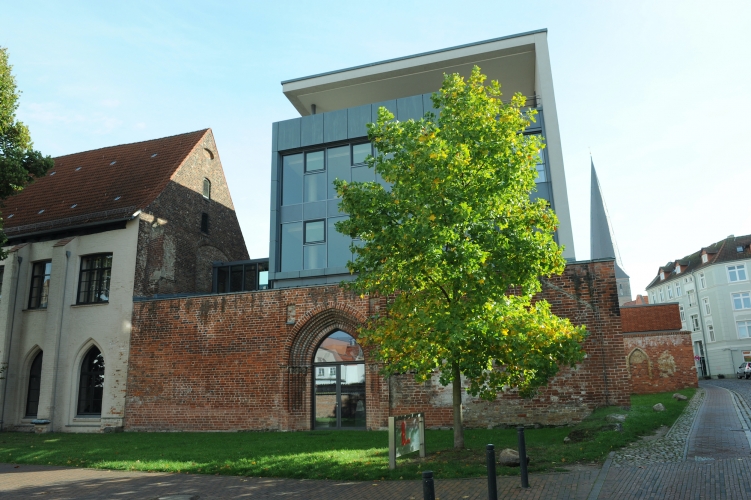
{"x": 492, "y": 487}
{"x": 523, "y": 457}
{"x": 428, "y": 489}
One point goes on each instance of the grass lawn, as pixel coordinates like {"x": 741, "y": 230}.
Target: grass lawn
{"x": 349, "y": 455}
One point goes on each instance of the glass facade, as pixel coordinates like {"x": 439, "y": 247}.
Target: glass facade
{"x": 244, "y": 276}
{"x": 309, "y": 205}
{"x": 339, "y": 383}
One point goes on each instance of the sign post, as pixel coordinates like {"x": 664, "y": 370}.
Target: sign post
{"x": 406, "y": 435}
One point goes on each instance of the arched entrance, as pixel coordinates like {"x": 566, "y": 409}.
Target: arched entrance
{"x": 339, "y": 383}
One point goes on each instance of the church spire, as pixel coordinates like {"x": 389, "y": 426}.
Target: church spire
{"x": 602, "y": 241}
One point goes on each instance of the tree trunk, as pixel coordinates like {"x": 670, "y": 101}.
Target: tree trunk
{"x": 458, "y": 417}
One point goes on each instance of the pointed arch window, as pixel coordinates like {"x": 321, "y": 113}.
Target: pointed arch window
{"x": 35, "y": 378}
{"x": 339, "y": 383}
{"x": 91, "y": 383}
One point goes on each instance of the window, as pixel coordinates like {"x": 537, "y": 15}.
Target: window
{"x": 292, "y": 176}
{"x": 332, "y": 371}
{"x": 360, "y": 152}
{"x": 678, "y": 269}
{"x": 40, "y": 285}
{"x": 670, "y": 291}
{"x": 315, "y": 232}
{"x": 683, "y": 314}
{"x": 540, "y": 167}
{"x": 710, "y": 333}
{"x": 205, "y": 223}
{"x": 314, "y": 161}
{"x": 690, "y": 295}
{"x": 654, "y": 299}
{"x": 320, "y": 372}
{"x": 314, "y": 251}
{"x": 35, "y": 377}
{"x": 662, "y": 275}
{"x": 702, "y": 281}
{"x": 94, "y": 281}
{"x": 741, "y": 300}
{"x": 91, "y": 383}
{"x": 242, "y": 277}
{"x": 678, "y": 288}
{"x": 707, "y": 310}
{"x": 662, "y": 295}
{"x": 207, "y": 189}
{"x": 2, "y": 271}
{"x": 704, "y": 258}
{"x": 339, "y": 166}
{"x": 620, "y": 289}
{"x": 695, "y": 322}
{"x": 737, "y": 273}
{"x": 744, "y": 329}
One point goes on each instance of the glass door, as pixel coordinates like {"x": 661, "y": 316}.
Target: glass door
{"x": 340, "y": 396}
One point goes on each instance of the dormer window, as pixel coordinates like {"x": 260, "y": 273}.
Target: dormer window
{"x": 678, "y": 269}
{"x": 207, "y": 189}
{"x": 662, "y": 275}
{"x": 704, "y": 258}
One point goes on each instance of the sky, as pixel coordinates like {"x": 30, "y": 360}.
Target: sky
{"x": 655, "y": 91}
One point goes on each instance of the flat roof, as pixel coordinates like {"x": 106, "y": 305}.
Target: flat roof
{"x": 509, "y": 59}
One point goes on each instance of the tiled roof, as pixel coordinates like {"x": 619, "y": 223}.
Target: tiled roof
{"x": 640, "y": 300}
{"x": 97, "y": 186}
{"x": 722, "y": 251}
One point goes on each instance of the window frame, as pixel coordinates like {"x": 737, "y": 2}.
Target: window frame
{"x": 740, "y": 296}
{"x": 710, "y": 333}
{"x": 695, "y": 324}
{"x": 662, "y": 295}
{"x": 670, "y": 291}
{"x": 707, "y": 308}
{"x": 36, "y": 301}
{"x": 747, "y": 325}
{"x": 305, "y": 232}
{"x": 98, "y": 289}
{"x": 305, "y": 161}
{"x": 37, "y": 356}
{"x": 678, "y": 290}
{"x": 702, "y": 281}
{"x": 206, "y": 192}
{"x": 689, "y": 296}
{"x": 682, "y": 312}
{"x": 90, "y": 396}
{"x": 736, "y": 269}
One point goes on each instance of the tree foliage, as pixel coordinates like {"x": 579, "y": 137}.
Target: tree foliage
{"x": 20, "y": 164}
{"x": 458, "y": 246}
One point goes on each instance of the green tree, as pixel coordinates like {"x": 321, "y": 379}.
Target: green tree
{"x": 458, "y": 247}
{"x": 20, "y": 164}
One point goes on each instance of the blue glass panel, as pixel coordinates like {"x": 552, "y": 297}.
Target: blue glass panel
{"x": 339, "y": 253}
{"x": 363, "y": 174}
{"x": 315, "y": 256}
{"x": 360, "y": 152}
{"x": 292, "y": 179}
{"x": 314, "y": 231}
{"x": 314, "y": 161}
{"x": 339, "y": 167}
{"x": 315, "y": 187}
{"x": 291, "y": 247}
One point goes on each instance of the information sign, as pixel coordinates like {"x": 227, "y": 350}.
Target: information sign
{"x": 406, "y": 435}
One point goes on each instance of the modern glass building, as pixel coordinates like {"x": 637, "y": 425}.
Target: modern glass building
{"x": 329, "y": 141}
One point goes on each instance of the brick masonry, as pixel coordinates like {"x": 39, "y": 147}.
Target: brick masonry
{"x": 175, "y": 255}
{"x": 651, "y": 318}
{"x": 243, "y": 361}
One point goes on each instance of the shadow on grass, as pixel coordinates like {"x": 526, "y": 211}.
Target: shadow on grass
{"x": 341, "y": 455}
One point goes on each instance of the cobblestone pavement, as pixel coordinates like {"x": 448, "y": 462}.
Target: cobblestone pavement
{"x": 668, "y": 448}
{"x": 711, "y": 433}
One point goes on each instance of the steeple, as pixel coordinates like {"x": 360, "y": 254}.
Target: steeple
{"x": 602, "y": 241}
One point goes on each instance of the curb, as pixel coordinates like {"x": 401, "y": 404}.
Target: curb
{"x": 597, "y": 487}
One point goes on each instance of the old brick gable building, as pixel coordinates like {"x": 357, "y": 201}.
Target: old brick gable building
{"x": 102, "y": 226}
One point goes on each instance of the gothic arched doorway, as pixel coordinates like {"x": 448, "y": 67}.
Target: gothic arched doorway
{"x": 339, "y": 383}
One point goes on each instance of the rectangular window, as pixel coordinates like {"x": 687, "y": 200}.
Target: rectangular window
{"x": 360, "y": 152}
{"x": 707, "y": 310}
{"x": 315, "y": 232}
{"x": 695, "y": 322}
{"x": 737, "y": 273}
{"x": 314, "y": 161}
{"x": 690, "y": 295}
{"x": 744, "y": 329}
{"x": 710, "y": 333}
{"x": 94, "y": 280}
{"x": 741, "y": 301}
{"x": 683, "y": 314}
{"x": 315, "y": 187}
{"x": 205, "y": 223}
{"x": 662, "y": 295}
{"x": 678, "y": 288}
{"x": 702, "y": 281}
{"x": 540, "y": 167}
{"x": 291, "y": 236}
{"x": 670, "y": 292}
{"x": 292, "y": 174}
{"x": 40, "y": 285}
{"x": 320, "y": 372}
{"x": 332, "y": 371}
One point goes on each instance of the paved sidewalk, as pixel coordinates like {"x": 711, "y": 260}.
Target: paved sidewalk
{"x": 718, "y": 432}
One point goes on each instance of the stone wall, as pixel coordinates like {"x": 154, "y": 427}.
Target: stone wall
{"x": 660, "y": 361}
{"x": 175, "y": 255}
{"x": 243, "y": 361}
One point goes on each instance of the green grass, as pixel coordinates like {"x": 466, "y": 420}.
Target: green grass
{"x": 349, "y": 455}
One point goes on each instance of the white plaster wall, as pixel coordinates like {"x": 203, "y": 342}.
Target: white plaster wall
{"x": 74, "y": 327}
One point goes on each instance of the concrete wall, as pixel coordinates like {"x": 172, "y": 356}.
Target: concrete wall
{"x": 243, "y": 361}
{"x": 64, "y": 331}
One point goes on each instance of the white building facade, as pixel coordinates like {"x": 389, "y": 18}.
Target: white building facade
{"x": 713, "y": 290}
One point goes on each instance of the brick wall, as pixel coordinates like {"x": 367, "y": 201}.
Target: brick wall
{"x": 660, "y": 361}
{"x": 651, "y": 318}
{"x": 243, "y": 361}
{"x": 174, "y": 255}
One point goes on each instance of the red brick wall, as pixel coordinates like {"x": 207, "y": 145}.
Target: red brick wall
{"x": 238, "y": 361}
{"x": 651, "y": 318}
{"x": 660, "y": 361}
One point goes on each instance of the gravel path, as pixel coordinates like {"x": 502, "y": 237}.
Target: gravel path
{"x": 666, "y": 449}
